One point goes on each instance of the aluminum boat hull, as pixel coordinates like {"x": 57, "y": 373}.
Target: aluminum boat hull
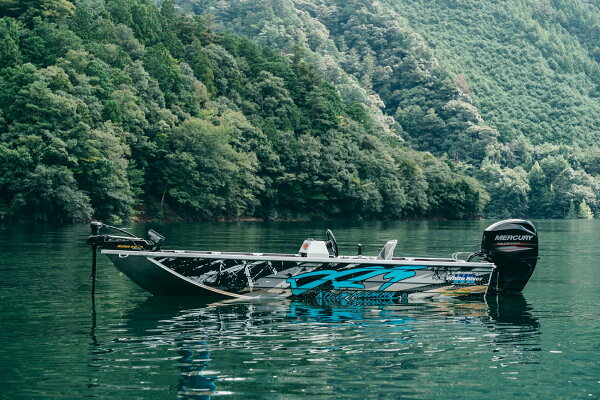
{"x": 250, "y": 275}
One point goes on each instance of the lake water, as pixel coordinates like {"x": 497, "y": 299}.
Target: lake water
{"x": 56, "y": 341}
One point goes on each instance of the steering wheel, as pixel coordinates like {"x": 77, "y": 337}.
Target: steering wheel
{"x": 331, "y": 242}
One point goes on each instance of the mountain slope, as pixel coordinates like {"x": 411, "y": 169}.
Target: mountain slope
{"x": 507, "y": 90}
{"x": 366, "y": 45}
{"x": 110, "y": 109}
{"x": 530, "y": 75}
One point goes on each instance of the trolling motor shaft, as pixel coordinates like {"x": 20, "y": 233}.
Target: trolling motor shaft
{"x": 93, "y": 241}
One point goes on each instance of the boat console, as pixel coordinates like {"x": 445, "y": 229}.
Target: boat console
{"x": 312, "y": 248}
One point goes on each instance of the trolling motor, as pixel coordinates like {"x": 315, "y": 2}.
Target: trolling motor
{"x": 129, "y": 242}
{"x": 512, "y": 245}
{"x": 114, "y": 242}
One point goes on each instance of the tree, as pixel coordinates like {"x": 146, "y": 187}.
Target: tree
{"x": 206, "y": 176}
{"x": 201, "y": 65}
{"x": 508, "y": 189}
{"x": 164, "y": 68}
{"x": 102, "y": 170}
{"x": 10, "y": 55}
{"x": 46, "y": 42}
{"x": 585, "y": 212}
{"x": 540, "y": 198}
{"x": 577, "y": 186}
{"x": 50, "y": 193}
{"x": 572, "y": 213}
{"x": 45, "y": 8}
{"x": 125, "y": 104}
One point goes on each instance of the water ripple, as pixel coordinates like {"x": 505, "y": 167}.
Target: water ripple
{"x": 58, "y": 342}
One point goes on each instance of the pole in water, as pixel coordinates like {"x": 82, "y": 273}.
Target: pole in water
{"x": 93, "y": 241}
{"x": 93, "y": 276}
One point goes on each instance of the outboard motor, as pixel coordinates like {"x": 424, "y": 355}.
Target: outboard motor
{"x": 512, "y": 245}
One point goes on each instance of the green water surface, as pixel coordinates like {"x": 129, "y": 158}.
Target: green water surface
{"x": 57, "y": 341}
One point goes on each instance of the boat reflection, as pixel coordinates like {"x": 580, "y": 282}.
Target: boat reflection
{"x": 512, "y": 310}
{"x": 504, "y": 327}
{"x": 193, "y": 384}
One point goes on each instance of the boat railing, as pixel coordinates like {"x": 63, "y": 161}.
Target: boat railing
{"x": 456, "y": 256}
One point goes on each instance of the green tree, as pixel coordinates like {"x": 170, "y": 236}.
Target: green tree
{"x": 572, "y": 213}
{"x": 201, "y": 65}
{"x": 124, "y": 104}
{"x": 45, "y": 8}
{"x": 102, "y": 170}
{"x": 164, "y": 68}
{"x": 573, "y": 185}
{"x": 50, "y": 193}
{"x": 585, "y": 212}
{"x": 539, "y": 197}
{"x": 10, "y": 55}
{"x": 508, "y": 189}
{"x": 207, "y": 177}
{"x": 46, "y": 42}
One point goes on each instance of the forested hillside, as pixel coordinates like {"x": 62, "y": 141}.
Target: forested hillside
{"x": 119, "y": 108}
{"x": 506, "y": 90}
{"x": 298, "y": 109}
{"x": 533, "y": 60}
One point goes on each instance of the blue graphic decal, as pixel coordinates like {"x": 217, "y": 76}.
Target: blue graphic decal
{"x": 300, "y": 312}
{"x": 356, "y": 297}
{"x": 336, "y": 278}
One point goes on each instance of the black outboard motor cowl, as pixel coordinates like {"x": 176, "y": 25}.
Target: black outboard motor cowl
{"x": 512, "y": 245}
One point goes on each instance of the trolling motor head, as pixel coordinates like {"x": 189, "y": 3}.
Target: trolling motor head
{"x": 119, "y": 242}
{"x": 95, "y": 239}
{"x": 512, "y": 245}
{"x": 95, "y": 227}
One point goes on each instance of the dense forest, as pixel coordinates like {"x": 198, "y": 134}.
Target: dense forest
{"x": 440, "y": 68}
{"x": 297, "y": 109}
{"x": 120, "y": 108}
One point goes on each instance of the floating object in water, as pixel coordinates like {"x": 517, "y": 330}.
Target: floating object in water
{"x": 508, "y": 255}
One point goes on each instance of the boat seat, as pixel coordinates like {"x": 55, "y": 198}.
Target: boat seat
{"x": 388, "y": 250}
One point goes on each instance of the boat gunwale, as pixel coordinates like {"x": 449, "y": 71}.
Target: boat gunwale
{"x": 442, "y": 262}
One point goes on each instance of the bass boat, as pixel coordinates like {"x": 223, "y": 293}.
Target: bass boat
{"x": 508, "y": 255}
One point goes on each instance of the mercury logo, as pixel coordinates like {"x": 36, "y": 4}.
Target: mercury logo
{"x": 513, "y": 237}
